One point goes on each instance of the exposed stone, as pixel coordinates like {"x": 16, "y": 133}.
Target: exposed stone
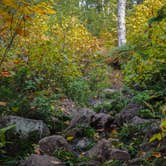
{"x": 83, "y": 144}
{"x": 101, "y": 151}
{"x": 152, "y": 145}
{"x": 38, "y": 160}
{"x": 135, "y": 162}
{"x": 81, "y": 117}
{"x": 152, "y": 128}
{"x": 101, "y": 120}
{"x": 74, "y": 132}
{"x": 93, "y": 163}
{"x": 117, "y": 154}
{"x": 25, "y": 127}
{"x": 49, "y": 145}
{"x": 137, "y": 121}
{"x": 129, "y": 112}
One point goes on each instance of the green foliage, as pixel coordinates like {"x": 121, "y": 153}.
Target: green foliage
{"x": 78, "y": 90}
{"x": 146, "y": 66}
{"x": 3, "y": 141}
{"x": 128, "y": 132}
{"x": 69, "y": 158}
{"x": 112, "y": 103}
{"x": 146, "y": 113}
{"x": 88, "y": 132}
{"x": 113, "y": 163}
{"x": 98, "y": 77}
{"x": 141, "y": 96}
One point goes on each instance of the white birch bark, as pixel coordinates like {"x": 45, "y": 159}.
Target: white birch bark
{"x": 121, "y": 23}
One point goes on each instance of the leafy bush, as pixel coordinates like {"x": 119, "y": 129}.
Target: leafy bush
{"x": 78, "y": 90}
{"x": 146, "y": 66}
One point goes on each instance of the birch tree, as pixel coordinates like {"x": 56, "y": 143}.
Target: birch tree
{"x": 121, "y": 23}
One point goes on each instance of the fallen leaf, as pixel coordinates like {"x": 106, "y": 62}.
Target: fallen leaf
{"x": 156, "y": 155}
{"x": 70, "y": 138}
{"x": 2, "y": 103}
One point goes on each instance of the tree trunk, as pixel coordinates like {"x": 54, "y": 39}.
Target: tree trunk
{"x": 121, "y": 23}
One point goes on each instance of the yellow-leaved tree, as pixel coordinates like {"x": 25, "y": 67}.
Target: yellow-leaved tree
{"x": 15, "y": 16}
{"x": 148, "y": 39}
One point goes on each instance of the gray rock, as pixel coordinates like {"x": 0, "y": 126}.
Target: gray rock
{"x": 150, "y": 146}
{"x": 137, "y": 120}
{"x": 24, "y": 127}
{"x": 81, "y": 117}
{"x": 74, "y": 132}
{"x": 101, "y": 120}
{"x": 129, "y": 112}
{"x": 92, "y": 163}
{"x": 49, "y": 145}
{"x": 101, "y": 151}
{"x": 117, "y": 154}
{"x": 136, "y": 162}
{"x": 38, "y": 160}
{"x": 152, "y": 128}
{"x": 82, "y": 144}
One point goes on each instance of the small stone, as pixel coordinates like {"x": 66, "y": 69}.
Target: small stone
{"x": 117, "y": 154}
{"x": 25, "y": 127}
{"x": 39, "y": 160}
{"x": 129, "y": 112}
{"x": 101, "y": 120}
{"x": 101, "y": 151}
{"x": 137, "y": 120}
{"x": 81, "y": 117}
{"x": 82, "y": 144}
{"x": 49, "y": 145}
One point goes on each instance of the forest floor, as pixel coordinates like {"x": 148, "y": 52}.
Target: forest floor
{"x": 115, "y": 130}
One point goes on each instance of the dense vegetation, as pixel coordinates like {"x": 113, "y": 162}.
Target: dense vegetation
{"x": 65, "y": 51}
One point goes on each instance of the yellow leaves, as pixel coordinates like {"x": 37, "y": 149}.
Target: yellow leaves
{"x": 10, "y": 3}
{"x": 70, "y": 138}
{"x": 25, "y": 7}
{"x": 137, "y": 22}
{"x": 155, "y": 137}
{"x": 43, "y": 8}
{"x": 163, "y": 126}
{"x": 159, "y": 136}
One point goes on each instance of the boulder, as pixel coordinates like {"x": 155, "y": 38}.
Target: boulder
{"x": 49, "y": 145}
{"x": 74, "y": 132}
{"x": 101, "y": 121}
{"x": 129, "y": 112}
{"x": 92, "y": 163}
{"x": 137, "y": 121}
{"x": 118, "y": 154}
{"x": 81, "y": 117}
{"x": 25, "y": 127}
{"x": 152, "y": 128}
{"x": 101, "y": 151}
{"x": 136, "y": 162}
{"x": 38, "y": 160}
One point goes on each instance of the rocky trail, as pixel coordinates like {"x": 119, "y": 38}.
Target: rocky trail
{"x": 107, "y": 133}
